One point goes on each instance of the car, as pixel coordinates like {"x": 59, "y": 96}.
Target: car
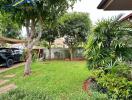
{"x": 8, "y": 56}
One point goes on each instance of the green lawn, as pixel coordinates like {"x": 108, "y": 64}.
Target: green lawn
{"x": 58, "y": 80}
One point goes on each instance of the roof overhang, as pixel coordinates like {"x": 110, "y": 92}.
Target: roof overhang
{"x": 128, "y": 17}
{"x": 115, "y": 5}
{"x": 10, "y": 41}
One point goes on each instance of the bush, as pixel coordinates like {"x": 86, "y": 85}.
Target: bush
{"x": 117, "y": 81}
{"x": 109, "y": 43}
{"x": 34, "y": 56}
{"x": 127, "y": 54}
{"x": 20, "y": 94}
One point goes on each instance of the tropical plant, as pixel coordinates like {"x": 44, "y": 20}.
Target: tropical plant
{"x": 117, "y": 80}
{"x": 107, "y": 42}
{"x": 108, "y": 46}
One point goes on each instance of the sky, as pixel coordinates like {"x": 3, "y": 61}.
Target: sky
{"x": 90, "y": 6}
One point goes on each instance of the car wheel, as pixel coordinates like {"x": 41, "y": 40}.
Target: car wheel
{"x": 9, "y": 62}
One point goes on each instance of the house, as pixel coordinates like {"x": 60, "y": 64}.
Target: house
{"x": 59, "y": 42}
{"x": 128, "y": 18}
{"x": 115, "y": 5}
{"x": 60, "y": 50}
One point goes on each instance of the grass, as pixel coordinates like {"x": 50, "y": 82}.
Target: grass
{"x": 59, "y": 80}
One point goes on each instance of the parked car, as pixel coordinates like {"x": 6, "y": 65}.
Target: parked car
{"x": 8, "y": 56}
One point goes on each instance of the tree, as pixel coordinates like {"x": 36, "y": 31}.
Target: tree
{"x": 31, "y": 12}
{"x": 108, "y": 42}
{"x": 49, "y": 35}
{"x": 9, "y": 28}
{"x": 75, "y": 28}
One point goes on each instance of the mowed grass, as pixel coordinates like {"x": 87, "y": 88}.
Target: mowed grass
{"x": 59, "y": 80}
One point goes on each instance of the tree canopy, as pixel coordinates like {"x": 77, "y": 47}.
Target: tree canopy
{"x": 9, "y": 28}
{"x": 75, "y": 28}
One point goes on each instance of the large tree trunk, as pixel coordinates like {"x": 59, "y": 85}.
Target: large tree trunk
{"x": 31, "y": 41}
{"x": 49, "y": 51}
{"x": 71, "y": 53}
{"x": 27, "y": 70}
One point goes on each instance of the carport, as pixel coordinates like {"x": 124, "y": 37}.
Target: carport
{"x": 10, "y": 41}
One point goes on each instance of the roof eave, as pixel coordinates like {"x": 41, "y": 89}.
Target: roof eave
{"x": 102, "y": 4}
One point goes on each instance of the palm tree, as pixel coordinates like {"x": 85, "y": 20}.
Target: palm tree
{"x": 106, "y": 43}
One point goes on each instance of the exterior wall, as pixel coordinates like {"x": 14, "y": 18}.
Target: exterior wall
{"x": 56, "y": 53}
{"x": 63, "y": 53}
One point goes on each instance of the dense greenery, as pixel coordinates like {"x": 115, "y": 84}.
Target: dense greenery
{"x": 108, "y": 42}
{"x": 107, "y": 49}
{"x": 75, "y": 28}
{"x": 8, "y": 27}
{"x": 48, "y": 37}
{"x": 115, "y": 81}
{"x": 57, "y": 80}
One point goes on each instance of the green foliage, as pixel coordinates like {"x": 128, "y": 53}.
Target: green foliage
{"x": 35, "y": 56}
{"x": 127, "y": 54}
{"x": 107, "y": 47}
{"x": 75, "y": 28}
{"x": 37, "y": 11}
{"x": 48, "y": 10}
{"x": 108, "y": 42}
{"x": 49, "y": 35}
{"x": 117, "y": 80}
{"x": 9, "y": 28}
{"x": 43, "y": 43}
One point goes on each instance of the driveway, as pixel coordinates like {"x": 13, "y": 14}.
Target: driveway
{"x": 3, "y": 69}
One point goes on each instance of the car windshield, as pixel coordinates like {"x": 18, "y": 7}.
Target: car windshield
{"x": 5, "y": 50}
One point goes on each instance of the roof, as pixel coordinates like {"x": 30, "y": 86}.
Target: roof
{"x": 38, "y": 47}
{"x": 127, "y": 17}
{"x": 11, "y": 41}
{"x": 115, "y": 5}
{"x": 102, "y": 4}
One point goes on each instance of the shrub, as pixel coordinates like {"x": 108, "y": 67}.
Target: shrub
{"x": 108, "y": 42}
{"x": 117, "y": 81}
{"x": 127, "y": 54}
{"x": 34, "y": 56}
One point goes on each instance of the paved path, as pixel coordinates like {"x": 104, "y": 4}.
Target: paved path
{"x": 10, "y": 76}
{"x": 15, "y": 66}
{"x": 2, "y": 82}
{"x": 7, "y": 88}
